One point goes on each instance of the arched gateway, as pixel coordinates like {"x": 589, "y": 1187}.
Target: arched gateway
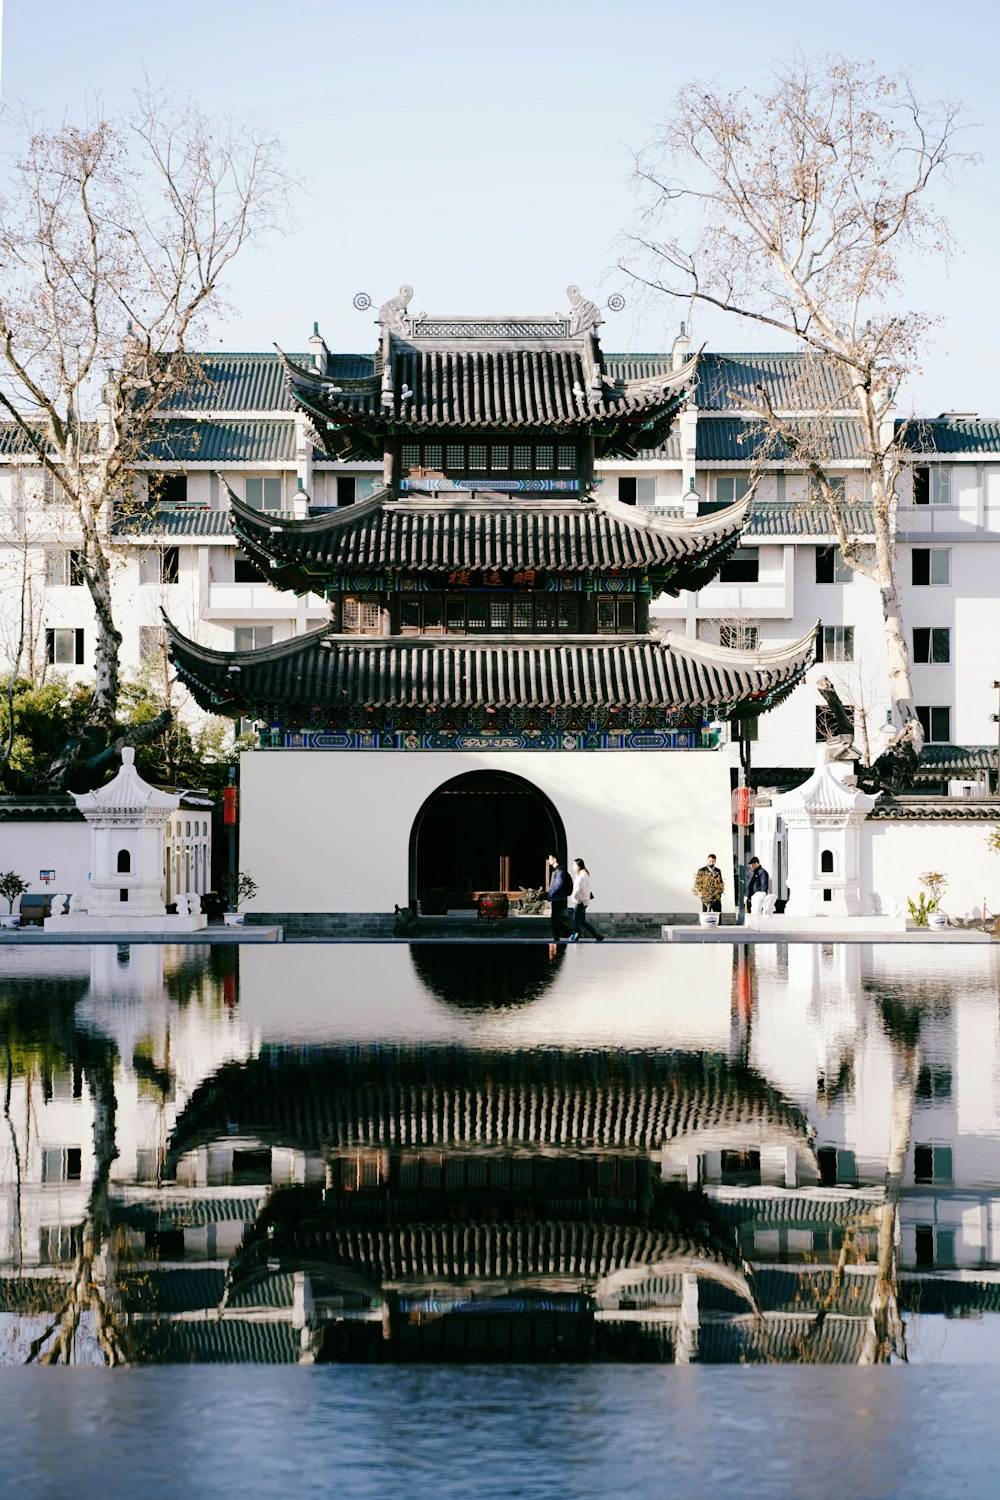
{"x": 483, "y": 831}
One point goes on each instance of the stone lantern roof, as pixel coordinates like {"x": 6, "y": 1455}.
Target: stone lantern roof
{"x": 825, "y": 797}
{"x": 127, "y": 797}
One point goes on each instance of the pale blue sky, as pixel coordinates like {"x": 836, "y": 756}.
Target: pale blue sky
{"x": 481, "y": 152}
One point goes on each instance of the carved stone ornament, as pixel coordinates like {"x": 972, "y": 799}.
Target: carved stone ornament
{"x": 392, "y": 314}
{"x": 583, "y": 314}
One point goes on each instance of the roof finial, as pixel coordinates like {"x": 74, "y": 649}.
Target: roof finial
{"x": 315, "y": 329}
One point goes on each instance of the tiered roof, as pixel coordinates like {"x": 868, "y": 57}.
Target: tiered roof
{"x": 452, "y": 1097}
{"x": 421, "y": 535}
{"x": 518, "y": 374}
{"x": 322, "y": 672}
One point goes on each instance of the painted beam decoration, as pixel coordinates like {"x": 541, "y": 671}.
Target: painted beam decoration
{"x": 484, "y": 485}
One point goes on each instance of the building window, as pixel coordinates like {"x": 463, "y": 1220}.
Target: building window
{"x": 835, "y": 643}
{"x": 616, "y": 614}
{"x": 347, "y": 489}
{"x": 837, "y": 485}
{"x": 167, "y": 490}
{"x": 739, "y": 637}
{"x": 932, "y": 1163}
{"x": 934, "y": 1246}
{"x": 826, "y": 862}
{"x": 741, "y": 566}
{"x": 494, "y": 458}
{"x": 826, "y": 724}
{"x": 932, "y": 643}
{"x": 51, "y": 488}
{"x": 263, "y": 492}
{"x": 731, "y": 487}
{"x": 740, "y": 1168}
{"x": 831, "y": 567}
{"x": 64, "y": 648}
{"x": 62, "y": 1164}
{"x": 160, "y": 565}
{"x": 432, "y": 614}
{"x": 252, "y": 637}
{"x": 152, "y": 641}
{"x": 936, "y": 724}
{"x": 361, "y": 616}
{"x": 933, "y": 1083}
{"x": 245, "y": 570}
{"x": 637, "y": 490}
{"x": 837, "y": 1167}
{"x": 63, "y": 568}
{"x": 932, "y": 486}
{"x": 931, "y": 565}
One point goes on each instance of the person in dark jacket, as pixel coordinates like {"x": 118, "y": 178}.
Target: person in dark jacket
{"x": 560, "y": 886}
{"x": 760, "y": 880}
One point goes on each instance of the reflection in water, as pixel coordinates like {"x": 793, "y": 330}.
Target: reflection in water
{"x": 464, "y": 974}
{"x": 177, "y": 1185}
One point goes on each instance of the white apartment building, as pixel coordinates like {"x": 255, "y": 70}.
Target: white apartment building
{"x": 175, "y": 551}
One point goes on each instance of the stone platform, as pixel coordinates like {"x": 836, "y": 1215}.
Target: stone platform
{"x": 162, "y": 927}
{"x": 824, "y": 930}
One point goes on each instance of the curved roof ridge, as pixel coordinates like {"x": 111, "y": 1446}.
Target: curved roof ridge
{"x": 675, "y": 525}
{"x": 211, "y": 655}
{"x": 330, "y": 520}
{"x": 707, "y": 651}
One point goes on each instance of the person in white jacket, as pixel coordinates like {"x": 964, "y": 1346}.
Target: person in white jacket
{"x": 581, "y": 900}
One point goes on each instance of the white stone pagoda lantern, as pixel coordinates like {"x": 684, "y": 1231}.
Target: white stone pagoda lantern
{"x": 127, "y": 878}
{"x": 823, "y": 818}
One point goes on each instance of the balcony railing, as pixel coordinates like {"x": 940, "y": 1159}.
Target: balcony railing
{"x": 239, "y": 600}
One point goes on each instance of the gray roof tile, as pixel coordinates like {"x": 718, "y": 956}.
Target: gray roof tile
{"x": 176, "y": 440}
{"x": 950, "y": 435}
{"x": 435, "y": 536}
{"x": 732, "y": 439}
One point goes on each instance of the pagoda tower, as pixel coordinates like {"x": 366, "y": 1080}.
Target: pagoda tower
{"x": 488, "y": 598}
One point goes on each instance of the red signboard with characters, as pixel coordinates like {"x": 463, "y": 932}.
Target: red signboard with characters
{"x": 229, "y": 805}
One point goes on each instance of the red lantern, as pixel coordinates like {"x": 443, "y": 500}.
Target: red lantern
{"x": 229, "y": 796}
{"x": 742, "y": 807}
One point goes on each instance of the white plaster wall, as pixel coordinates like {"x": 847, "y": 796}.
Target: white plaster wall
{"x": 894, "y": 855}
{"x": 30, "y": 847}
{"x": 331, "y": 831}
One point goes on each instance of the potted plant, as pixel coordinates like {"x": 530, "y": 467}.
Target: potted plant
{"x": 12, "y": 887}
{"x": 706, "y": 889}
{"x": 237, "y": 886}
{"x": 926, "y": 911}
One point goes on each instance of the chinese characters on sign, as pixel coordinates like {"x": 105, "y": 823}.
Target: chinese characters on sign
{"x": 491, "y": 578}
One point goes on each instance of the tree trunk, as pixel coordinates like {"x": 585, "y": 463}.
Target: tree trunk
{"x": 104, "y": 705}
{"x": 907, "y": 725}
{"x": 885, "y": 1335}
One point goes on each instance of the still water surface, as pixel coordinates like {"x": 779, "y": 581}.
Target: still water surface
{"x": 508, "y": 1156}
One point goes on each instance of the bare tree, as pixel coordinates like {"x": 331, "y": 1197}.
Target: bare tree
{"x": 115, "y": 239}
{"x": 806, "y": 201}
